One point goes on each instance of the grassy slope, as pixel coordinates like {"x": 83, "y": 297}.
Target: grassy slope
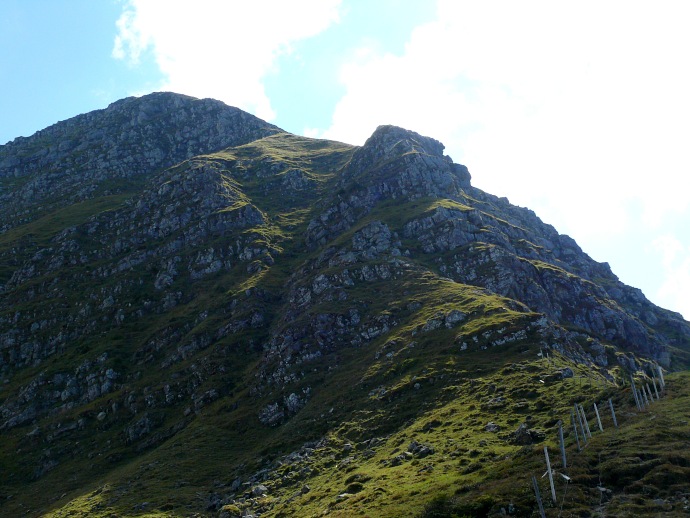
{"x": 644, "y": 462}
{"x": 378, "y": 398}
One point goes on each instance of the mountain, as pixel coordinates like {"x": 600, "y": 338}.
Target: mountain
{"x": 202, "y": 314}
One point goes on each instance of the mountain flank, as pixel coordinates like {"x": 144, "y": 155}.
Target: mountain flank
{"x": 202, "y": 314}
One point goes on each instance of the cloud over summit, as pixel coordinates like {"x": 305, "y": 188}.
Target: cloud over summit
{"x": 219, "y": 49}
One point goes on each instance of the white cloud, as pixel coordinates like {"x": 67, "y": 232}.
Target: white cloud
{"x": 312, "y": 132}
{"x": 217, "y": 48}
{"x": 562, "y": 105}
{"x": 675, "y": 259}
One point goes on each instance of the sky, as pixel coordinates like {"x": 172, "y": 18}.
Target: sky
{"x": 579, "y": 111}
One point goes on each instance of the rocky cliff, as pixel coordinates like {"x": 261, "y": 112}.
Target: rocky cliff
{"x": 102, "y": 151}
{"x": 168, "y": 258}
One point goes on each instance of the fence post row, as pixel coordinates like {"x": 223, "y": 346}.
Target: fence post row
{"x": 642, "y": 397}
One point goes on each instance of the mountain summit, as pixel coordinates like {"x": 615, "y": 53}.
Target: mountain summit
{"x": 202, "y": 313}
{"x": 132, "y": 137}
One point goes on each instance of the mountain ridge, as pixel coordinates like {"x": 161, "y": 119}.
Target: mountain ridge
{"x": 96, "y": 146}
{"x": 218, "y": 272}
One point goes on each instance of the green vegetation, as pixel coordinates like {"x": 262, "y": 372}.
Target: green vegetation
{"x": 459, "y": 393}
{"x": 408, "y": 391}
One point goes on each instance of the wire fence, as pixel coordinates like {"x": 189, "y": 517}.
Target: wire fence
{"x": 645, "y": 391}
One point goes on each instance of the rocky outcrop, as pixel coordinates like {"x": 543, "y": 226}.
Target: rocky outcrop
{"x": 103, "y": 151}
{"x": 479, "y": 239}
{"x": 393, "y": 164}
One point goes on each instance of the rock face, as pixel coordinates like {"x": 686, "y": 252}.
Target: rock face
{"x": 101, "y": 151}
{"x": 162, "y": 256}
{"x": 393, "y": 164}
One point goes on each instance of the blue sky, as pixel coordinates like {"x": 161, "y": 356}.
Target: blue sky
{"x": 578, "y": 111}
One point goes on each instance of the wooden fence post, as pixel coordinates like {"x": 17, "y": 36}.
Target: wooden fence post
{"x": 632, "y": 386}
{"x": 538, "y": 495}
{"x": 649, "y": 391}
{"x": 577, "y": 438}
{"x": 613, "y": 413}
{"x": 661, "y": 378}
{"x": 638, "y": 403}
{"x": 584, "y": 418}
{"x": 655, "y": 389}
{"x": 596, "y": 411}
{"x": 582, "y": 426}
{"x": 562, "y": 441}
{"x": 654, "y": 375}
{"x": 548, "y": 468}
